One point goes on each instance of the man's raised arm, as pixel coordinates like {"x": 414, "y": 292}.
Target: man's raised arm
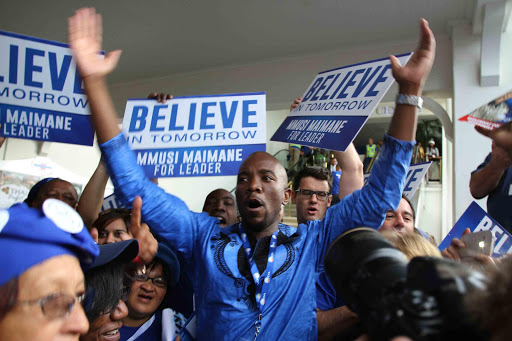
{"x": 368, "y": 206}
{"x": 411, "y": 79}
{"x": 352, "y": 177}
{"x": 85, "y": 38}
{"x": 161, "y": 211}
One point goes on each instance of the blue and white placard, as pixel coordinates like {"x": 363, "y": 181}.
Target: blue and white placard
{"x": 196, "y": 136}
{"x": 41, "y": 95}
{"x": 337, "y": 104}
{"x": 415, "y": 175}
{"x": 478, "y": 220}
{"x": 111, "y": 202}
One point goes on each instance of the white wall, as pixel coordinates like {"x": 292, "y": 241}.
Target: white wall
{"x": 81, "y": 160}
{"x": 470, "y": 148}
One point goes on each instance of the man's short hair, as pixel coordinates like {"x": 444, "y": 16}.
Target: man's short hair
{"x": 318, "y": 173}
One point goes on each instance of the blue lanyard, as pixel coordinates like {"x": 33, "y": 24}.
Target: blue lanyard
{"x": 262, "y": 282}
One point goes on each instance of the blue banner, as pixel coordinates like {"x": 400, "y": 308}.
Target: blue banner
{"x": 111, "y": 202}
{"x": 45, "y": 125}
{"x": 337, "y": 104}
{"x": 195, "y": 161}
{"x": 196, "y": 135}
{"x": 41, "y": 92}
{"x": 415, "y": 176}
{"x": 478, "y": 220}
{"x": 320, "y": 131}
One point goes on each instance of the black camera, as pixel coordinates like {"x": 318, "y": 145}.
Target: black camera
{"x": 422, "y": 299}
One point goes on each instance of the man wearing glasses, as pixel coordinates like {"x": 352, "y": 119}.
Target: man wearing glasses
{"x": 312, "y": 193}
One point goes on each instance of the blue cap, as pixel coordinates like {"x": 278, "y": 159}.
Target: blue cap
{"x": 29, "y": 236}
{"x": 124, "y": 251}
{"x": 168, "y": 257}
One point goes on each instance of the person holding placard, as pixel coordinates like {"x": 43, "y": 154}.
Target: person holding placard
{"x": 493, "y": 178}
{"x": 267, "y": 294}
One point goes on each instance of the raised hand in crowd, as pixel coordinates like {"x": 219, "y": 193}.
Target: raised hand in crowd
{"x": 148, "y": 245}
{"x": 486, "y": 179}
{"x": 411, "y": 79}
{"x": 85, "y": 38}
{"x": 295, "y": 103}
{"x": 502, "y": 136}
{"x": 160, "y": 97}
{"x": 352, "y": 176}
{"x": 91, "y": 200}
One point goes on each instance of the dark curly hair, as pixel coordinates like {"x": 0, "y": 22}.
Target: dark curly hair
{"x": 318, "y": 173}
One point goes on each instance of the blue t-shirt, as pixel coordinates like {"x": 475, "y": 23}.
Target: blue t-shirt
{"x": 215, "y": 261}
{"x": 499, "y": 201}
{"x": 336, "y": 175}
{"x": 154, "y": 330}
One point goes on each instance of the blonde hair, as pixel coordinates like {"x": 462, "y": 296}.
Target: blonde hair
{"x": 412, "y": 244}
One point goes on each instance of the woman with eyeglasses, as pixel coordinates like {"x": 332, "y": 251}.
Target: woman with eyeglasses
{"x": 42, "y": 284}
{"x": 148, "y": 319}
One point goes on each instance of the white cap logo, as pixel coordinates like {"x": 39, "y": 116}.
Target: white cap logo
{"x": 66, "y": 218}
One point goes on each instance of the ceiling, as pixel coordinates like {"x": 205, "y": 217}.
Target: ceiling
{"x": 162, "y": 38}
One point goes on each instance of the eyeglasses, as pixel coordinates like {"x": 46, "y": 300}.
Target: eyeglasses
{"x": 157, "y": 281}
{"x": 58, "y": 304}
{"x": 307, "y": 193}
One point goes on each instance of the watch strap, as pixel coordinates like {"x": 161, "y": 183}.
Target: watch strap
{"x": 415, "y": 101}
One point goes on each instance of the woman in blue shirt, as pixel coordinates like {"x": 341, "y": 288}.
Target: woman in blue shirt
{"x": 147, "y": 319}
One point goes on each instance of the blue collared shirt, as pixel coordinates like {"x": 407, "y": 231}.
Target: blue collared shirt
{"x": 213, "y": 257}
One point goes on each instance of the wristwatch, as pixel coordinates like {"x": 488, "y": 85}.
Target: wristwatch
{"x": 415, "y": 101}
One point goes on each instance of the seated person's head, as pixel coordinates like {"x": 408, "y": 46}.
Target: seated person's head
{"x": 312, "y": 206}
{"x": 113, "y": 226}
{"x": 411, "y": 244}
{"x": 107, "y": 280}
{"x": 401, "y": 220}
{"x": 221, "y": 204}
{"x": 41, "y": 281}
{"x": 52, "y": 188}
{"x": 151, "y": 284}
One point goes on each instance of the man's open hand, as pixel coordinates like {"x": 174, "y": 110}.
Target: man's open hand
{"x": 85, "y": 38}
{"x": 413, "y": 75}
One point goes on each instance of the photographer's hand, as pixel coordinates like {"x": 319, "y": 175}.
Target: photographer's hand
{"x": 452, "y": 251}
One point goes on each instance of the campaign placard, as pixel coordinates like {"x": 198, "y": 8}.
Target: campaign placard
{"x": 478, "y": 220}
{"x": 197, "y": 135}
{"x": 415, "y": 175}
{"x": 493, "y": 114}
{"x": 337, "y": 104}
{"x": 111, "y": 202}
{"x": 41, "y": 95}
